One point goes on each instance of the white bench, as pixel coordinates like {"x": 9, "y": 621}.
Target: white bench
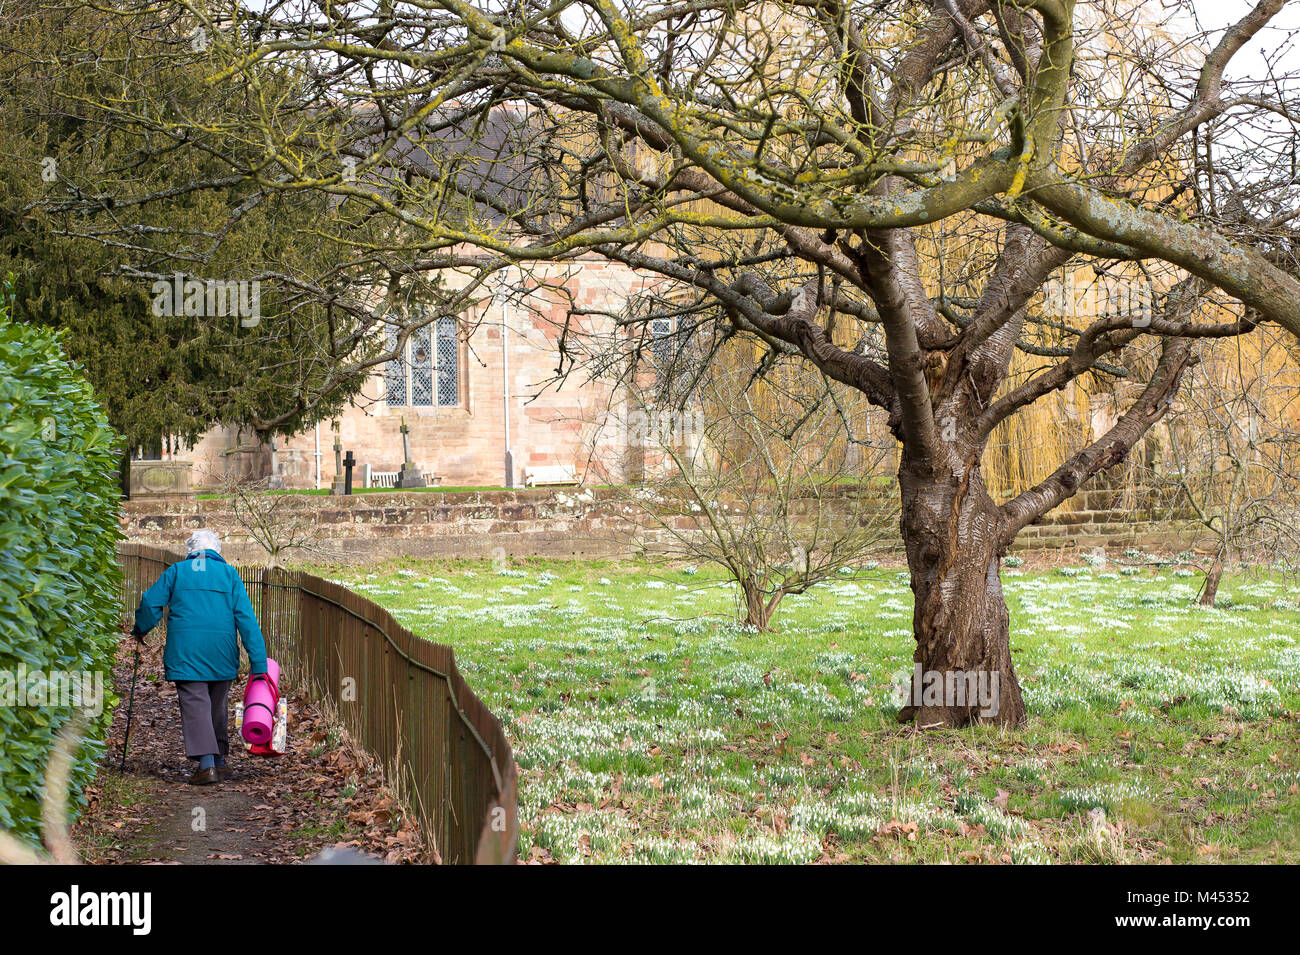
{"x": 389, "y": 478}
{"x": 550, "y": 475}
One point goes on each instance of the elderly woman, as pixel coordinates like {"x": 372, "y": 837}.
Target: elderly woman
{"x": 208, "y": 605}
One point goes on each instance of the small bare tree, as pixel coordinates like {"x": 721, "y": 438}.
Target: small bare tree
{"x": 769, "y": 484}
{"x": 275, "y": 521}
{"x": 1234, "y": 459}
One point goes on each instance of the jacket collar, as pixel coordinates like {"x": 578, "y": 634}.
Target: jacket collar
{"x": 206, "y": 553}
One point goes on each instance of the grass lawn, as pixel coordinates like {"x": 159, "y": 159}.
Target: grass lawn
{"x": 649, "y": 728}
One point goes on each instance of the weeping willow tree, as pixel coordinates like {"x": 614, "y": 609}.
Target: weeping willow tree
{"x": 1231, "y": 457}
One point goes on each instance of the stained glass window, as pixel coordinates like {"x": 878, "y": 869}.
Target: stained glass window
{"x": 448, "y": 363}
{"x": 394, "y": 374}
{"x": 421, "y": 367}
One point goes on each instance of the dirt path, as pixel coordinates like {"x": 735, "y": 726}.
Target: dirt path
{"x": 323, "y": 792}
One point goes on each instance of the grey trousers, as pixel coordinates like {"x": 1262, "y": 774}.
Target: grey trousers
{"x": 203, "y": 716}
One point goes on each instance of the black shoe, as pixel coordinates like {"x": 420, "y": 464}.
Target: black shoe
{"x": 203, "y": 777}
{"x": 224, "y": 772}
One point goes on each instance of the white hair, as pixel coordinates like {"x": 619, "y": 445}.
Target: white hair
{"x": 203, "y": 540}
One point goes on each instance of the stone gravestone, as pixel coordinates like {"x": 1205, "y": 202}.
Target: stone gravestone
{"x": 276, "y": 479}
{"x": 160, "y": 478}
{"x": 410, "y": 475}
{"x": 348, "y": 464}
{"x": 339, "y": 486}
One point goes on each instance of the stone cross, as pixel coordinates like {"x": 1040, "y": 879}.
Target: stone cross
{"x": 339, "y": 485}
{"x": 406, "y": 444}
{"x": 348, "y": 464}
{"x": 410, "y": 475}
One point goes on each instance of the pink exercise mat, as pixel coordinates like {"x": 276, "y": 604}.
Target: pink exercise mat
{"x": 260, "y": 698}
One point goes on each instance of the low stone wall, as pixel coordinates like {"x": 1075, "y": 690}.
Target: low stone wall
{"x": 571, "y": 523}
{"x": 365, "y": 527}
{"x": 1116, "y": 518}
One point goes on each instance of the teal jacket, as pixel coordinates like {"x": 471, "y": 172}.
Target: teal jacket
{"x": 208, "y": 604}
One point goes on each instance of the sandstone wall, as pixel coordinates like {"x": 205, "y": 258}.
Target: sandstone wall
{"x": 572, "y": 523}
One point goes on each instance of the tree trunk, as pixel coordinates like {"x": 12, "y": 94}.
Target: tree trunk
{"x": 1211, "y": 592}
{"x": 124, "y": 474}
{"x": 758, "y": 612}
{"x": 952, "y": 533}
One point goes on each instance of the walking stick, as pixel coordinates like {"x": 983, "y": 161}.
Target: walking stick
{"x": 130, "y": 707}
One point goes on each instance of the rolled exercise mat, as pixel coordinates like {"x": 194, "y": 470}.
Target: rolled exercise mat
{"x": 260, "y": 697}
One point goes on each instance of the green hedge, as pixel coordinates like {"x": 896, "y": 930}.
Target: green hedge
{"x": 59, "y": 579}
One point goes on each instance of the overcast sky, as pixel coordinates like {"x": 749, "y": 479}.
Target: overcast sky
{"x": 1281, "y": 35}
